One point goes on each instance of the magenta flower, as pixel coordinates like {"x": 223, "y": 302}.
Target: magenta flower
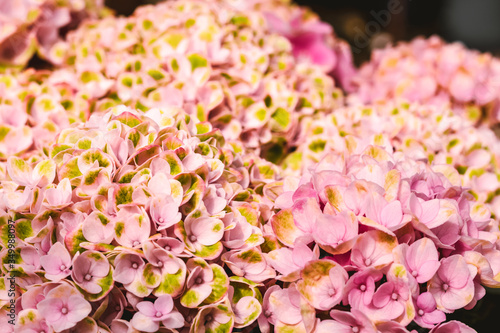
{"x": 390, "y": 299}
{"x": 360, "y": 288}
{"x": 452, "y": 326}
{"x": 452, "y": 286}
{"x": 63, "y": 307}
{"x": 151, "y": 314}
{"x": 308, "y": 37}
{"x": 427, "y": 315}
{"x": 57, "y": 262}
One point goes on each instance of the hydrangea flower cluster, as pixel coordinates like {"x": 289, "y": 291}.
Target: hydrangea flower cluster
{"x": 140, "y": 174}
{"x": 424, "y": 132}
{"x": 311, "y": 39}
{"x": 211, "y": 59}
{"x": 34, "y": 108}
{"x": 432, "y": 71}
{"x": 402, "y": 243}
{"x": 120, "y": 210}
{"x": 36, "y": 26}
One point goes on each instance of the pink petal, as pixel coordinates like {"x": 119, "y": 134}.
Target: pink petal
{"x": 164, "y": 304}
{"x": 147, "y": 308}
{"x": 174, "y": 320}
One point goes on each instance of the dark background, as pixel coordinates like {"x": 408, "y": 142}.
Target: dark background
{"x": 367, "y": 24}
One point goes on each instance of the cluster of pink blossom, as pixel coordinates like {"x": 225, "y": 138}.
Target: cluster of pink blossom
{"x": 214, "y": 61}
{"x": 432, "y": 71}
{"x": 34, "y": 108}
{"x": 402, "y": 242}
{"x": 140, "y": 175}
{"x": 311, "y": 39}
{"x": 424, "y": 132}
{"x": 36, "y": 26}
{"x": 122, "y": 210}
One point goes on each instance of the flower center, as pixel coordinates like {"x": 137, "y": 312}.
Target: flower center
{"x": 158, "y": 314}
{"x": 355, "y": 329}
{"x": 208, "y": 318}
{"x": 64, "y": 310}
{"x": 192, "y": 238}
{"x": 198, "y": 280}
{"x": 368, "y": 262}
{"x": 161, "y": 220}
{"x": 62, "y": 267}
{"x": 267, "y": 313}
{"x": 136, "y": 243}
{"x": 168, "y": 248}
{"x": 421, "y": 312}
{"x": 134, "y": 265}
{"x": 331, "y": 292}
{"x": 445, "y": 287}
{"x": 394, "y": 296}
{"x": 362, "y": 287}
{"x": 414, "y": 273}
{"x": 159, "y": 263}
{"x": 88, "y": 277}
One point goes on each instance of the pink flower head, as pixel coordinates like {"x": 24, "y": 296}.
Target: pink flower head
{"x": 57, "y": 262}
{"x": 285, "y": 305}
{"x": 453, "y": 326}
{"x": 171, "y": 245}
{"x": 373, "y": 249}
{"x": 427, "y": 315}
{"x": 165, "y": 212}
{"x": 88, "y": 268}
{"x": 161, "y": 258}
{"x": 336, "y": 230}
{"x": 347, "y": 322}
{"x": 421, "y": 259}
{"x": 251, "y": 264}
{"x": 287, "y": 261}
{"x": 199, "y": 281}
{"x": 308, "y": 38}
{"x": 60, "y": 196}
{"x": 452, "y": 286}
{"x": 210, "y": 318}
{"x": 203, "y": 231}
{"x": 63, "y": 307}
{"x": 390, "y": 299}
{"x": 128, "y": 267}
{"x": 151, "y": 314}
{"x": 360, "y": 288}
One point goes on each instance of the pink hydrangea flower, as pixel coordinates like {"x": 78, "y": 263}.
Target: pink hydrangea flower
{"x": 151, "y": 314}
{"x": 452, "y": 286}
{"x": 57, "y": 263}
{"x": 63, "y": 307}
